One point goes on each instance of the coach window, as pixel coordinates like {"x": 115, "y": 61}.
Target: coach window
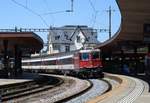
{"x": 67, "y": 48}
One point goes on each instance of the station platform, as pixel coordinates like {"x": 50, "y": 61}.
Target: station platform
{"x": 143, "y": 99}
{"x": 145, "y": 96}
{"x": 25, "y": 77}
{"x": 11, "y": 81}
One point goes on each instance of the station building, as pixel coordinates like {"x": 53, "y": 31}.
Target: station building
{"x": 131, "y": 42}
{"x": 71, "y": 37}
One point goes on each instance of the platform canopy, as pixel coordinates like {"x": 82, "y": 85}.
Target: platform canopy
{"x": 134, "y": 30}
{"x": 27, "y": 42}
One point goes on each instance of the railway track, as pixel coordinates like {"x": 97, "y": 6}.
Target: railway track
{"x": 123, "y": 89}
{"x": 19, "y": 91}
{"x": 72, "y": 90}
{"x": 70, "y": 86}
{"x": 99, "y": 87}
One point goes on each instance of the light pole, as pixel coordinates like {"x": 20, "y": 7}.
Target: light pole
{"x": 110, "y": 14}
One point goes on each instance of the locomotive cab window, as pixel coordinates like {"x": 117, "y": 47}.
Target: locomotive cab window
{"x": 84, "y": 56}
{"x": 95, "y": 55}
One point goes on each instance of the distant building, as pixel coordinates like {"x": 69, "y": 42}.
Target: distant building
{"x": 71, "y": 37}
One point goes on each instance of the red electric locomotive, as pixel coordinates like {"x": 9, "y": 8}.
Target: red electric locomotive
{"x": 88, "y": 62}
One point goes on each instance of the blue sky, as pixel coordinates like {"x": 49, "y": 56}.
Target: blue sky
{"x": 86, "y": 12}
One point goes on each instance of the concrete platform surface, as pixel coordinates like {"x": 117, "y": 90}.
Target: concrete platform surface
{"x": 12, "y": 81}
{"x": 25, "y": 77}
{"x": 143, "y": 99}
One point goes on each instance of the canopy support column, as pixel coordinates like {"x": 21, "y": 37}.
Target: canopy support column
{"x": 18, "y": 68}
{"x": 6, "y": 58}
{"x": 135, "y": 60}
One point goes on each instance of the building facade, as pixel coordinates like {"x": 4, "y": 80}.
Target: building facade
{"x": 70, "y": 38}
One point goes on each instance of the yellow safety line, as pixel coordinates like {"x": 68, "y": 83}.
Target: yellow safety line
{"x": 114, "y": 91}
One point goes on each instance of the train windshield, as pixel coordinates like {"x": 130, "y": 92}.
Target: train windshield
{"x": 95, "y": 55}
{"x": 84, "y": 56}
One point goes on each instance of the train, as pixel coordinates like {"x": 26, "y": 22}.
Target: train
{"x": 81, "y": 63}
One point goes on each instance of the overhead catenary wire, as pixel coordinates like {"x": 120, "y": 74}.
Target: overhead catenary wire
{"x": 56, "y": 12}
{"x": 61, "y": 11}
{"x": 95, "y": 13}
{"x": 72, "y": 2}
{"x": 49, "y": 9}
{"x": 94, "y": 19}
{"x": 42, "y": 29}
{"x": 46, "y": 3}
{"x": 93, "y": 7}
{"x": 30, "y": 10}
{"x": 26, "y": 3}
{"x": 37, "y": 14}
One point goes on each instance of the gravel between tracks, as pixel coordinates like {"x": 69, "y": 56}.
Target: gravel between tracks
{"x": 71, "y": 86}
{"x": 99, "y": 87}
{"x": 112, "y": 82}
